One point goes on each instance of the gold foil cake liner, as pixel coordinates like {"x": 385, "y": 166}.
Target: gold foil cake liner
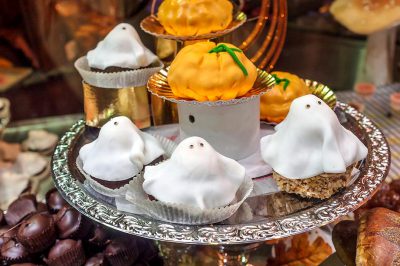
{"x": 168, "y": 146}
{"x": 152, "y": 26}
{"x": 182, "y": 214}
{"x": 158, "y": 85}
{"x": 323, "y": 92}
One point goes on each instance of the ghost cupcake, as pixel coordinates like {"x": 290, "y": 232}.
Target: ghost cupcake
{"x": 311, "y": 153}
{"x": 120, "y": 60}
{"x": 196, "y": 185}
{"x": 118, "y": 154}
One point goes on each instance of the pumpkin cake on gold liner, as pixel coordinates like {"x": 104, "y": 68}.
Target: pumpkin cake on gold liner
{"x": 275, "y": 105}
{"x": 210, "y": 74}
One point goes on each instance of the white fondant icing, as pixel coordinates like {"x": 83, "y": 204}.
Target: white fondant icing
{"x": 121, "y": 47}
{"x": 120, "y": 151}
{"x": 233, "y": 130}
{"x": 195, "y": 175}
{"x": 311, "y": 141}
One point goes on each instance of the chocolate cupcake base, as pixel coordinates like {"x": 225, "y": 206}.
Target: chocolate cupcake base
{"x": 121, "y": 183}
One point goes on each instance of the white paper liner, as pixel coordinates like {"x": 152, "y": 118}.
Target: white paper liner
{"x": 168, "y": 145}
{"x": 115, "y": 80}
{"x": 182, "y": 214}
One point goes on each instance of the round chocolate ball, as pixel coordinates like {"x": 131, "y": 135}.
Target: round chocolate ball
{"x": 66, "y": 252}
{"x": 99, "y": 236}
{"x": 121, "y": 252}
{"x": 14, "y": 252}
{"x": 55, "y": 201}
{"x": 6, "y": 233}
{"x": 97, "y": 260}
{"x": 41, "y": 207}
{"x": 20, "y": 208}
{"x": 71, "y": 224}
{"x": 37, "y": 233}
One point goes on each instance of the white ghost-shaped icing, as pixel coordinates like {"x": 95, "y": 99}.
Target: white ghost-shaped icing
{"x": 311, "y": 141}
{"x": 121, "y": 47}
{"x": 195, "y": 175}
{"x": 120, "y": 151}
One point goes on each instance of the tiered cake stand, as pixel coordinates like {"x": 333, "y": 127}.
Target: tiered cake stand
{"x": 263, "y": 217}
{"x": 272, "y": 216}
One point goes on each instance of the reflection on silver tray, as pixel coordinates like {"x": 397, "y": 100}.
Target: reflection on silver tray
{"x": 273, "y": 216}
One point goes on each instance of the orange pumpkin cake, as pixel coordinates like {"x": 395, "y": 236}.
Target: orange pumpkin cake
{"x": 276, "y": 102}
{"x": 194, "y": 17}
{"x": 205, "y": 71}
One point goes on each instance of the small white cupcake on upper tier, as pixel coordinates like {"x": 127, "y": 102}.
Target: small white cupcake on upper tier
{"x": 120, "y": 60}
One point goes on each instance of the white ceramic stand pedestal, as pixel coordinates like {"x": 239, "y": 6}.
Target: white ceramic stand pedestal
{"x": 233, "y": 130}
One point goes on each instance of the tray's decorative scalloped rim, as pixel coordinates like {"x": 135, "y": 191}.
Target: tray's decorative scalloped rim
{"x": 376, "y": 169}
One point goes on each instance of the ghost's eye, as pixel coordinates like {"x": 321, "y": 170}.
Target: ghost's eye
{"x": 319, "y": 102}
{"x": 116, "y": 123}
{"x": 201, "y": 144}
{"x": 123, "y": 28}
{"x": 308, "y": 106}
{"x": 191, "y": 147}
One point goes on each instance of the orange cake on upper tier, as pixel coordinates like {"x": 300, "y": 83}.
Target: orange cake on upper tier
{"x": 194, "y": 17}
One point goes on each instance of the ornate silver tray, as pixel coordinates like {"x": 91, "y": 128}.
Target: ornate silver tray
{"x": 262, "y": 218}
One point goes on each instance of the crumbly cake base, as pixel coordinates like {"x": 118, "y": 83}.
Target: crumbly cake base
{"x": 320, "y": 187}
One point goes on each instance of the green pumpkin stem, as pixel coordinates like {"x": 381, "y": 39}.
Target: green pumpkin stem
{"x": 231, "y": 51}
{"x": 279, "y": 81}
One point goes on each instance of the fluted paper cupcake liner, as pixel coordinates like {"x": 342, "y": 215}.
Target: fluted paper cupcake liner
{"x": 115, "y": 80}
{"x": 183, "y": 214}
{"x": 125, "y": 257}
{"x": 168, "y": 146}
{"x": 73, "y": 256}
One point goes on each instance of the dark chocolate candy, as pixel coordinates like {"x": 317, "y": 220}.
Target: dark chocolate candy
{"x": 121, "y": 252}
{"x": 99, "y": 236}
{"x": 41, "y": 207}
{"x": 37, "y": 233}
{"x": 71, "y": 224}
{"x": 14, "y": 252}
{"x": 66, "y": 252}
{"x": 55, "y": 201}
{"x": 20, "y": 208}
{"x": 97, "y": 260}
{"x": 6, "y": 233}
